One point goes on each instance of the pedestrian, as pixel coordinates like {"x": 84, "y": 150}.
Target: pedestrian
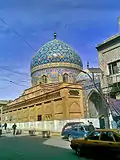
{"x": 5, "y": 125}
{"x": 91, "y": 127}
{"x": 88, "y": 122}
{"x": 14, "y": 128}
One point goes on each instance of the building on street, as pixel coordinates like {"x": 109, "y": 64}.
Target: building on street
{"x": 109, "y": 63}
{"x": 57, "y": 92}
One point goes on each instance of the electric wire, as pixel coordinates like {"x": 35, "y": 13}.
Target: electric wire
{"x": 4, "y": 68}
{"x": 4, "y": 21}
{"x": 4, "y": 79}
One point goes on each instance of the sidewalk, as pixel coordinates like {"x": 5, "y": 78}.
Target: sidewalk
{"x": 10, "y": 134}
{"x": 57, "y": 142}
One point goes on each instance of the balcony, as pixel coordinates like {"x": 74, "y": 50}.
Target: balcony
{"x": 115, "y": 78}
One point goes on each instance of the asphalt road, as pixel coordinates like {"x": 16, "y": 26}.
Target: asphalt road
{"x": 33, "y": 148}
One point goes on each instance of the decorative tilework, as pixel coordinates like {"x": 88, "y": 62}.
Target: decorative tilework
{"x": 55, "y": 51}
{"x": 58, "y": 64}
{"x": 54, "y": 75}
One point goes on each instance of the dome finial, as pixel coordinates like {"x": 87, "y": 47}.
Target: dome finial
{"x": 87, "y": 64}
{"x": 55, "y": 35}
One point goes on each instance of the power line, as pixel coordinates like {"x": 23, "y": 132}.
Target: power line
{"x": 3, "y": 20}
{"x": 16, "y": 72}
{"x": 13, "y": 82}
{"x": 17, "y": 84}
{"x": 21, "y": 81}
{"x": 2, "y": 68}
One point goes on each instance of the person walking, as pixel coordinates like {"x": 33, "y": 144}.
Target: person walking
{"x": 5, "y": 125}
{"x": 14, "y": 128}
{"x": 91, "y": 127}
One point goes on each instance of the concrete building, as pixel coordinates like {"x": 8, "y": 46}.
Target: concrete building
{"x": 109, "y": 63}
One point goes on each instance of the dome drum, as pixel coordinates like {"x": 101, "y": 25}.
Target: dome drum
{"x": 54, "y": 75}
{"x": 56, "y": 65}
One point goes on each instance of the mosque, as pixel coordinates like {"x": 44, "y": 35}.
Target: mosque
{"x": 60, "y": 90}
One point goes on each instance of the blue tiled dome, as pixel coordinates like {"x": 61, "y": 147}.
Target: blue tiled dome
{"x": 55, "y": 51}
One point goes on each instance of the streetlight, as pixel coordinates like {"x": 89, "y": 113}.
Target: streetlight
{"x": 103, "y": 98}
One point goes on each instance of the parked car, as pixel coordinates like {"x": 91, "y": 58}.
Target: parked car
{"x": 71, "y": 124}
{"x": 75, "y": 132}
{"x": 98, "y": 144}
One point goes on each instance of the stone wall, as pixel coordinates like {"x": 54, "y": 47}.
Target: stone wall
{"x": 66, "y": 103}
{"x": 54, "y": 126}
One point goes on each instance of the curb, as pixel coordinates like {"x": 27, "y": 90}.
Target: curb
{"x": 55, "y": 134}
{"x": 26, "y": 133}
{"x": 39, "y": 133}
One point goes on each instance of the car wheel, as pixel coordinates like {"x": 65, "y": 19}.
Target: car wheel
{"x": 78, "y": 151}
{"x": 70, "y": 138}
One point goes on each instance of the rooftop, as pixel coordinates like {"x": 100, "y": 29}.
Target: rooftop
{"x": 3, "y": 102}
{"x": 94, "y": 70}
{"x": 109, "y": 41}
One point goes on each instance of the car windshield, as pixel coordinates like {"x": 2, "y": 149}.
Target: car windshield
{"x": 71, "y": 125}
{"x": 78, "y": 124}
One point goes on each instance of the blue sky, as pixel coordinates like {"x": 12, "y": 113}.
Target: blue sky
{"x": 81, "y": 23}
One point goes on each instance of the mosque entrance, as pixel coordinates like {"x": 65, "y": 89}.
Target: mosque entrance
{"x": 95, "y": 107}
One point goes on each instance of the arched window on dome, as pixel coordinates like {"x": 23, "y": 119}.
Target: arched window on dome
{"x": 65, "y": 78}
{"x": 44, "y": 79}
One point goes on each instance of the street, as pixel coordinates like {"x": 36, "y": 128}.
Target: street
{"x": 35, "y": 148}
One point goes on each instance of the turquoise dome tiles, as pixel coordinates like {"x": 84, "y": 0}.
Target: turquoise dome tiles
{"x": 55, "y": 51}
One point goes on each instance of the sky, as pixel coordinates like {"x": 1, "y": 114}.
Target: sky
{"x": 26, "y": 25}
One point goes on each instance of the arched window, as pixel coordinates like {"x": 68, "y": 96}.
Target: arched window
{"x": 44, "y": 79}
{"x": 65, "y": 77}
